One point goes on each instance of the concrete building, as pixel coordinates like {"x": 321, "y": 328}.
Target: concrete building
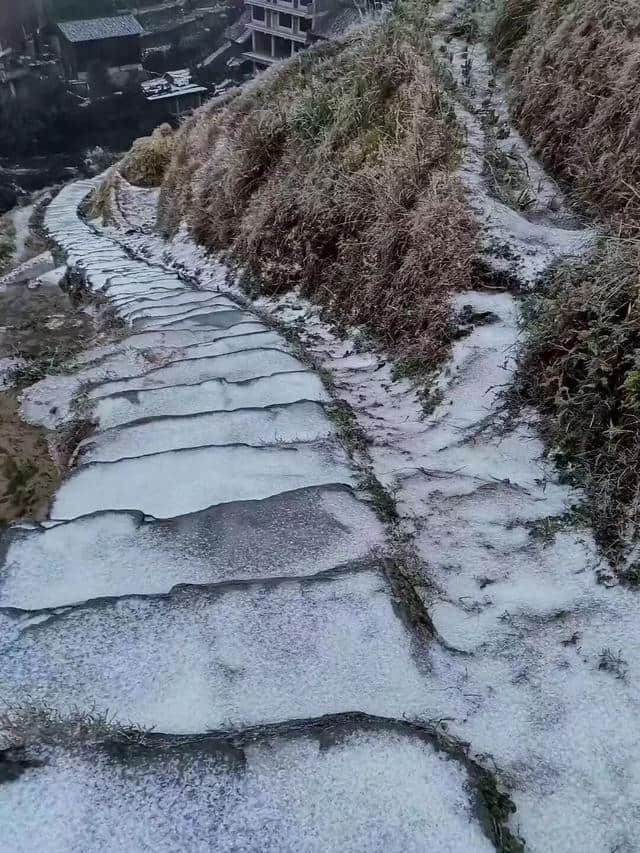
{"x": 280, "y": 28}
{"x": 113, "y": 42}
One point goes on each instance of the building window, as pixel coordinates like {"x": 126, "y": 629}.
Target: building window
{"x": 305, "y": 25}
{"x": 285, "y": 21}
{"x": 257, "y": 13}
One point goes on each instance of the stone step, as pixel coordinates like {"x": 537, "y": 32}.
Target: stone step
{"x": 170, "y": 339}
{"x": 226, "y": 656}
{"x": 344, "y": 783}
{"x": 169, "y": 305}
{"x": 294, "y": 534}
{"x": 135, "y": 358}
{"x": 199, "y": 319}
{"x": 181, "y": 481}
{"x": 197, "y": 314}
{"x": 211, "y": 396}
{"x": 291, "y": 423}
{"x": 234, "y": 367}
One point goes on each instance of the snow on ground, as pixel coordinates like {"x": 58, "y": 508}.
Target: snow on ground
{"x": 535, "y": 663}
{"x": 224, "y": 658}
{"x": 542, "y": 669}
{"x": 200, "y": 477}
{"x": 209, "y": 562}
{"x": 375, "y": 790}
{"x": 295, "y": 534}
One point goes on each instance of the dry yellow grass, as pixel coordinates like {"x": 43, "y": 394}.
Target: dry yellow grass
{"x": 576, "y": 69}
{"x": 577, "y": 97}
{"x": 147, "y": 161}
{"x": 334, "y": 173}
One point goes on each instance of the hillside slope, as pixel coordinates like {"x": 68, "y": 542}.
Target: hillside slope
{"x": 575, "y": 68}
{"x": 328, "y": 172}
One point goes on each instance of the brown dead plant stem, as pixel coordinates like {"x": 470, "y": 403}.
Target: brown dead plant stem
{"x": 333, "y": 172}
{"x": 582, "y": 366}
{"x": 577, "y": 99}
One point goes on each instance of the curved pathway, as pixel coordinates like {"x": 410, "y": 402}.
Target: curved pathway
{"x": 210, "y": 573}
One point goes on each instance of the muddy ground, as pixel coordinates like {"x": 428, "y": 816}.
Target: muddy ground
{"x": 42, "y": 328}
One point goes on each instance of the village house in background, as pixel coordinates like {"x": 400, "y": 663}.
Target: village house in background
{"x": 176, "y": 90}
{"x": 113, "y": 42}
{"x": 229, "y": 56}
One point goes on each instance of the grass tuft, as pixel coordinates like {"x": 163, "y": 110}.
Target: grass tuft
{"x": 510, "y": 26}
{"x": 581, "y": 365}
{"x": 147, "y": 161}
{"x": 382, "y": 500}
{"x": 351, "y": 434}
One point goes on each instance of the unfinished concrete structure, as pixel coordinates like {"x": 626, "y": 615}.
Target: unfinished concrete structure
{"x": 280, "y": 28}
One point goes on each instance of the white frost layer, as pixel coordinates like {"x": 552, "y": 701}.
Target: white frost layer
{"x": 176, "y": 306}
{"x": 527, "y": 609}
{"x": 132, "y": 358}
{"x": 174, "y": 483}
{"x": 368, "y": 792}
{"x": 197, "y": 313}
{"x": 298, "y": 422}
{"x": 225, "y": 658}
{"x": 234, "y": 367}
{"x": 171, "y": 340}
{"x": 197, "y": 320}
{"x": 217, "y": 395}
{"x": 293, "y": 534}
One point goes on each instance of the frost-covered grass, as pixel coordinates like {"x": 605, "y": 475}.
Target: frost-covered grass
{"x": 7, "y": 243}
{"x": 576, "y": 74}
{"x": 6, "y": 252}
{"x": 36, "y": 723}
{"x": 582, "y": 367}
{"x": 145, "y": 165}
{"x": 576, "y": 69}
{"x": 334, "y": 172}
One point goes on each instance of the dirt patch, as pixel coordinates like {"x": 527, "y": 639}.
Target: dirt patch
{"x": 45, "y": 328}
{"x": 28, "y": 474}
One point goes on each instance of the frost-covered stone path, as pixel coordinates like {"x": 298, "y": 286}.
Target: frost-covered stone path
{"x": 209, "y": 572}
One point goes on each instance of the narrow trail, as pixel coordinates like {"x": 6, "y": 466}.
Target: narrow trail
{"x": 537, "y": 665}
{"x": 211, "y": 571}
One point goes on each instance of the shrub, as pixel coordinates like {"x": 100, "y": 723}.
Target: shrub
{"x": 145, "y": 165}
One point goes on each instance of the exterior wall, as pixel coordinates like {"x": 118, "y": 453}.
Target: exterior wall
{"x": 113, "y": 53}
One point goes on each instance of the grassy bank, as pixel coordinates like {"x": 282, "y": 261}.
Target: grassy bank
{"x": 576, "y": 70}
{"x": 333, "y": 172}
{"x": 576, "y": 73}
{"x": 7, "y": 243}
{"x": 581, "y": 365}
